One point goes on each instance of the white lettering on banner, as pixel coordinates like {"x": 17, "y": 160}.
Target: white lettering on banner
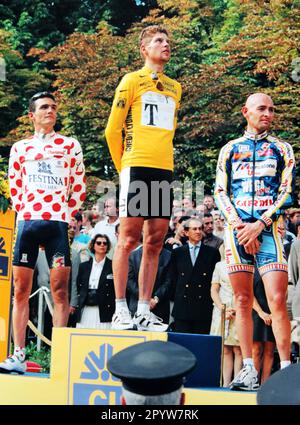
{"x": 158, "y": 110}
{"x": 258, "y": 203}
{"x": 262, "y": 169}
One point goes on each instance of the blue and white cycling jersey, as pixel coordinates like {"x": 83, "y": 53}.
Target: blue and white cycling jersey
{"x": 255, "y": 178}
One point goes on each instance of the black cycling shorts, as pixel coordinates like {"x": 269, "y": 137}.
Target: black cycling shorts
{"x": 52, "y": 235}
{"x": 146, "y": 192}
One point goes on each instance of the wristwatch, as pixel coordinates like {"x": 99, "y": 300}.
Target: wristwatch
{"x": 156, "y": 299}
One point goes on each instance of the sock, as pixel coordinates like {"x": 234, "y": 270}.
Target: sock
{"x": 284, "y": 363}
{"x": 143, "y": 307}
{"x": 121, "y": 304}
{"x": 19, "y": 352}
{"x": 248, "y": 362}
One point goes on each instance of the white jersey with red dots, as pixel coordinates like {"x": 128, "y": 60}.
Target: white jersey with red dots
{"x": 47, "y": 177}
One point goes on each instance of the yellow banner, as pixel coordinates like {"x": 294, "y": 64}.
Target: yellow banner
{"x": 7, "y": 225}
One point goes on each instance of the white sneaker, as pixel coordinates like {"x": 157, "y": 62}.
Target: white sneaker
{"x": 122, "y": 320}
{"x": 246, "y": 379}
{"x": 149, "y": 322}
{"x": 13, "y": 364}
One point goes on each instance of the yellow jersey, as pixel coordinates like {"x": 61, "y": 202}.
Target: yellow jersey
{"x": 143, "y": 120}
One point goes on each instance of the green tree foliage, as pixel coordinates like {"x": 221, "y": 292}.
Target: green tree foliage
{"x": 223, "y": 50}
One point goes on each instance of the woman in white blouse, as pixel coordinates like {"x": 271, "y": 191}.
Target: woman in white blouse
{"x": 96, "y": 294}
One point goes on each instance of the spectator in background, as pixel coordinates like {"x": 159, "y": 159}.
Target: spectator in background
{"x": 108, "y": 225}
{"x": 294, "y": 217}
{"x": 294, "y": 290}
{"x": 209, "y": 204}
{"x": 160, "y": 300}
{"x": 263, "y": 337}
{"x": 222, "y": 293}
{"x": 87, "y": 222}
{"x": 219, "y": 221}
{"x": 80, "y": 241}
{"x": 200, "y": 211}
{"x": 179, "y": 237}
{"x": 192, "y": 266}
{"x": 287, "y": 237}
{"x": 96, "y": 294}
{"x": 80, "y": 237}
{"x": 209, "y": 238}
{"x": 188, "y": 206}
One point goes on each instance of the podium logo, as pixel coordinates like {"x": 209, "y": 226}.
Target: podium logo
{"x": 3, "y": 258}
{"x": 98, "y": 386}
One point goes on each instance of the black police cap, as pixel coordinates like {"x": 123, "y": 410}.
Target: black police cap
{"x": 283, "y": 387}
{"x": 152, "y": 368}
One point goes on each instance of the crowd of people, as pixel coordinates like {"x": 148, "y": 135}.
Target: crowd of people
{"x": 188, "y": 294}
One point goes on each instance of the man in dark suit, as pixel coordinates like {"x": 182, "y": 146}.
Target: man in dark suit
{"x": 160, "y": 300}
{"x": 192, "y": 266}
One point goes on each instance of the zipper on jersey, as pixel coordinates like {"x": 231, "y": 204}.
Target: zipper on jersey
{"x": 253, "y": 175}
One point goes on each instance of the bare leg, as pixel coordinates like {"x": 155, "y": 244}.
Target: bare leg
{"x": 59, "y": 282}
{"x": 228, "y": 365}
{"x": 276, "y": 289}
{"x": 257, "y": 352}
{"x": 154, "y": 232}
{"x": 268, "y": 358}
{"x": 22, "y": 289}
{"x": 242, "y": 284}
{"x": 238, "y": 359}
{"x": 130, "y": 233}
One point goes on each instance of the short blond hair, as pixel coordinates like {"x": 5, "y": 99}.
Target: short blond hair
{"x": 149, "y": 32}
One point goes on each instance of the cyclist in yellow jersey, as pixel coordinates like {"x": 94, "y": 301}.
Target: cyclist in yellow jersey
{"x": 139, "y": 134}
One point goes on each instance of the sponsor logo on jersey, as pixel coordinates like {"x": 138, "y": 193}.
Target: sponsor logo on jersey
{"x": 262, "y": 169}
{"x": 158, "y": 110}
{"x": 243, "y": 148}
{"x": 241, "y": 155}
{"x": 58, "y": 261}
{"x": 257, "y": 203}
{"x": 24, "y": 258}
{"x": 43, "y": 167}
{"x": 121, "y": 103}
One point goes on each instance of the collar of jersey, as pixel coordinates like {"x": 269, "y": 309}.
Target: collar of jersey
{"x": 150, "y": 71}
{"x": 45, "y": 137}
{"x": 254, "y": 136}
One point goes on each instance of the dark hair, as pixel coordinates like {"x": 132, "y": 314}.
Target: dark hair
{"x": 296, "y": 226}
{"x": 117, "y": 228}
{"x": 207, "y": 215}
{"x": 78, "y": 216}
{"x": 37, "y": 96}
{"x": 93, "y": 241}
{"x": 183, "y": 218}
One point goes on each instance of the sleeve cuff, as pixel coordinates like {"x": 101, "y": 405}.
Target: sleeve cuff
{"x": 266, "y": 220}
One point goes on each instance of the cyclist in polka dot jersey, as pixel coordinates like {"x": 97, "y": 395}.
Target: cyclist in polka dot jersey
{"x": 47, "y": 186}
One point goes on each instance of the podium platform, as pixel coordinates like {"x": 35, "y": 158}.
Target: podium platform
{"x": 78, "y": 374}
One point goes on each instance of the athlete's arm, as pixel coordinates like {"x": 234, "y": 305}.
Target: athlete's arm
{"x": 286, "y": 186}
{"x": 77, "y": 180}
{"x": 113, "y": 132}
{"x": 15, "y": 178}
{"x": 222, "y": 188}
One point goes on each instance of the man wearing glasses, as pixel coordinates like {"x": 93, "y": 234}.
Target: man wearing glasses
{"x": 47, "y": 188}
{"x": 145, "y": 109}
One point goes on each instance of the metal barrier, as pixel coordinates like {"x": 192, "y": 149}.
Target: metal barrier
{"x": 42, "y": 292}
